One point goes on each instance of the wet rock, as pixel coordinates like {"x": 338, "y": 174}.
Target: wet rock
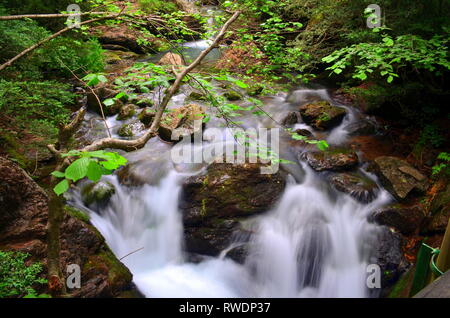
{"x": 171, "y": 59}
{"x": 103, "y": 93}
{"x": 322, "y": 115}
{"x": 142, "y": 102}
{"x": 331, "y": 159}
{"x": 141, "y": 172}
{"x": 440, "y": 211}
{"x": 359, "y": 187}
{"x": 254, "y": 89}
{"x": 389, "y": 256}
{"x": 197, "y": 96}
{"x": 126, "y": 112}
{"x": 23, "y": 227}
{"x": 304, "y": 132}
{"x": 291, "y": 119}
{"x": 98, "y": 193}
{"x": 216, "y": 204}
{"x": 362, "y": 127}
{"x": 398, "y": 176}
{"x": 146, "y": 116}
{"x": 131, "y": 129}
{"x": 232, "y": 95}
{"x": 181, "y": 121}
{"x": 406, "y": 220}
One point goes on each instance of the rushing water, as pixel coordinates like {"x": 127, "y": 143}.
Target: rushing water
{"x": 315, "y": 242}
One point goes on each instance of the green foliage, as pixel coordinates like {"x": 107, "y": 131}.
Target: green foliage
{"x": 93, "y": 165}
{"x": 389, "y": 56}
{"x": 444, "y": 166}
{"x": 42, "y": 101}
{"x": 18, "y": 279}
{"x": 153, "y": 6}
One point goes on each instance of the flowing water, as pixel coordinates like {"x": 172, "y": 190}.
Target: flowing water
{"x": 316, "y": 242}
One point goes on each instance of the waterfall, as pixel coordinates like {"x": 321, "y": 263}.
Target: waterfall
{"x": 314, "y": 243}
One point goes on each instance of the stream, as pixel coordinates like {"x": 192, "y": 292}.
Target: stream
{"x": 315, "y": 242}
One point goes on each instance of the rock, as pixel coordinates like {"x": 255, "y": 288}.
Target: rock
{"x": 304, "y": 132}
{"x": 440, "y": 211}
{"x": 131, "y": 129}
{"x": 216, "y": 204}
{"x": 99, "y": 193}
{"x": 359, "y": 187}
{"x": 331, "y": 159}
{"x": 322, "y": 115}
{"x": 171, "y": 59}
{"x": 146, "y": 116}
{"x": 197, "y": 96}
{"x": 123, "y": 36}
{"x": 254, "y": 89}
{"x": 142, "y": 102}
{"x": 103, "y": 93}
{"x": 291, "y": 119}
{"x": 362, "y": 127}
{"x": 406, "y": 220}
{"x": 181, "y": 120}
{"x": 126, "y": 112}
{"x": 398, "y": 177}
{"x": 23, "y": 227}
{"x": 232, "y": 95}
{"x": 389, "y": 256}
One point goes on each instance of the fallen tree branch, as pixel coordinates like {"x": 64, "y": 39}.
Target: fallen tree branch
{"x": 48, "y": 16}
{"x": 130, "y": 145}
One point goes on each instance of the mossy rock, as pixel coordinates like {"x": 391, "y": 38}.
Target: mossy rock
{"x": 357, "y": 186}
{"x": 131, "y": 129}
{"x": 126, "y": 112}
{"x": 197, "y": 96}
{"x": 232, "y": 95}
{"x": 78, "y": 214}
{"x": 254, "y": 89}
{"x": 335, "y": 159}
{"x": 322, "y": 115}
{"x": 98, "y": 193}
{"x": 146, "y": 116}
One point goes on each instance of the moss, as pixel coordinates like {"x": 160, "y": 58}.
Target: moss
{"x": 232, "y": 95}
{"x": 78, "y": 214}
{"x": 118, "y": 274}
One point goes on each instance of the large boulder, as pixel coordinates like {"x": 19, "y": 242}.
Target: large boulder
{"x": 322, "y": 115}
{"x": 215, "y": 204}
{"x": 405, "y": 219}
{"x": 23, "y": 227}
{"x": 331, "y": 159}
{"x": 359, "y": 187}
{"x": 182, "y": 120}
{"x": 399, "y": 177}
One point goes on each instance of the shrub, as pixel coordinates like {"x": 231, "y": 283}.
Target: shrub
{"x": 16, "y": 278}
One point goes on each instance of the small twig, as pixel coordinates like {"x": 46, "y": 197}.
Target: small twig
{"x": 131, "y": 253}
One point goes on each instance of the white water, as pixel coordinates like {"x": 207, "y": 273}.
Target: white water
{"x": 314, "y": 243}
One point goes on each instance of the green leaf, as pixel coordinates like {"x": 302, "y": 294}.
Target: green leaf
{"x": 78, "y": 169}
{"x": 94, "y": 171}
{"x": 61, "y": 187}
{"x": 58, "y": 174}
{"x": 390, "y": 79}
{"x": 109, "y": 102}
